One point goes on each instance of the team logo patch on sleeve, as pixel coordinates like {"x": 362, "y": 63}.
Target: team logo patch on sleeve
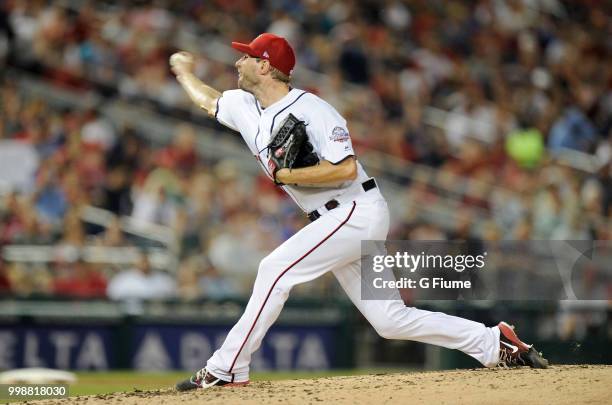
{"x": 339, "y": 134}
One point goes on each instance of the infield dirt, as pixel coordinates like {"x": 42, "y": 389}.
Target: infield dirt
{"x": 581, "y": 384}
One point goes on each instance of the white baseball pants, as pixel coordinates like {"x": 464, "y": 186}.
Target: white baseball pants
{"x": 333, "y": 243}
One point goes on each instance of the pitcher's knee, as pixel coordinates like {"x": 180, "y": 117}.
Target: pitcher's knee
{"x": 281, "y": 292}
{"x": 386, "y": 331}
{"x": 272, "y": 271}
{"x": 269, "y": 268}
{"x": 266, "y": 264}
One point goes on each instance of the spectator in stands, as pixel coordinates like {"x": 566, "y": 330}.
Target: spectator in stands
{"x": 141, "y": 283}
{"x": 73, "y": 233}
{"x": 198, "y": 278}
{"x": 525, "y": 145}
{"x": 159, "y": 199}
{"x": 34, "y": 231}
{"x": 188, "y": 288}
{"x": 20, "y": 224}
{"x": 49, "y": 197}
{"x": 28, "y": 280}
{"x": 181, "y": 154}
{"x": 78, "y": 279}
{"x": 97, "y": 130}
{"x": 116, "y": 194}
{"x": 572, "y": 130}
{"x": 113, "y": 235}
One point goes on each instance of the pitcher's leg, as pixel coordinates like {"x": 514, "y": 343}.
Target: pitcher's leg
{"x": 393, "y": 320}
{"x": 265, "y": 299}
{"x": 320, "y": 247}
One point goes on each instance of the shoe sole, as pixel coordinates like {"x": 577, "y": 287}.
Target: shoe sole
{"x": 508, "y": 332}
{"x": 184, "y": 387}
{"x": 537, "y": 361}
{"x": 234, "y": 384}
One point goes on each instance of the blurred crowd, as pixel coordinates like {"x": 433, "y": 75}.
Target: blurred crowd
{"x": 520, "y": 81}
{"x": 83, "y": 160}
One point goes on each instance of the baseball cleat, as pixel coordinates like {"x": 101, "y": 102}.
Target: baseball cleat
{"x": 514, "y": 352}
{"x": 203, "y": 379}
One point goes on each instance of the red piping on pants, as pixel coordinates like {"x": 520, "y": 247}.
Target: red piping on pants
{"x": 279, "y": 277}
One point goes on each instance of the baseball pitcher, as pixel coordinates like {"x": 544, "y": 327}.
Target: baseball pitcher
{"x": 303, "y": 144}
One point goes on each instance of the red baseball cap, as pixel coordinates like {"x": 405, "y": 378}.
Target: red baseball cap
{"x": 271, "y": 47}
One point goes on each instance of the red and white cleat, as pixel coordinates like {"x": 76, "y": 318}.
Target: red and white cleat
{"x": 203, "y": 379}
{"x": 513, "y": 352}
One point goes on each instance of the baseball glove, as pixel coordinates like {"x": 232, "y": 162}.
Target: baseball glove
{"x": 290, "y": 148}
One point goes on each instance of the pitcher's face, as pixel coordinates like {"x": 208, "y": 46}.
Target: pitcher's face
{"x": 248, "y": 72}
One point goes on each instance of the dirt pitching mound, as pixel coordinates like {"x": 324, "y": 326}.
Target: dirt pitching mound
{"x": 556, "y": 385}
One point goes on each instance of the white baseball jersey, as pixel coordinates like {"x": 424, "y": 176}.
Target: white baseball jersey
{"x": 327, "y": 131}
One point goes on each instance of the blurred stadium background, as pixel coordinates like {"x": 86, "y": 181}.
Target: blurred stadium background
{"x": 131, "y": 224}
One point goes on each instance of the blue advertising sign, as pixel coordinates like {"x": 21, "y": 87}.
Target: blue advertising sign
{"x": 164, "y": 347}
{"x": 157, "y": 347}
{"x": 70, "y": 347}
